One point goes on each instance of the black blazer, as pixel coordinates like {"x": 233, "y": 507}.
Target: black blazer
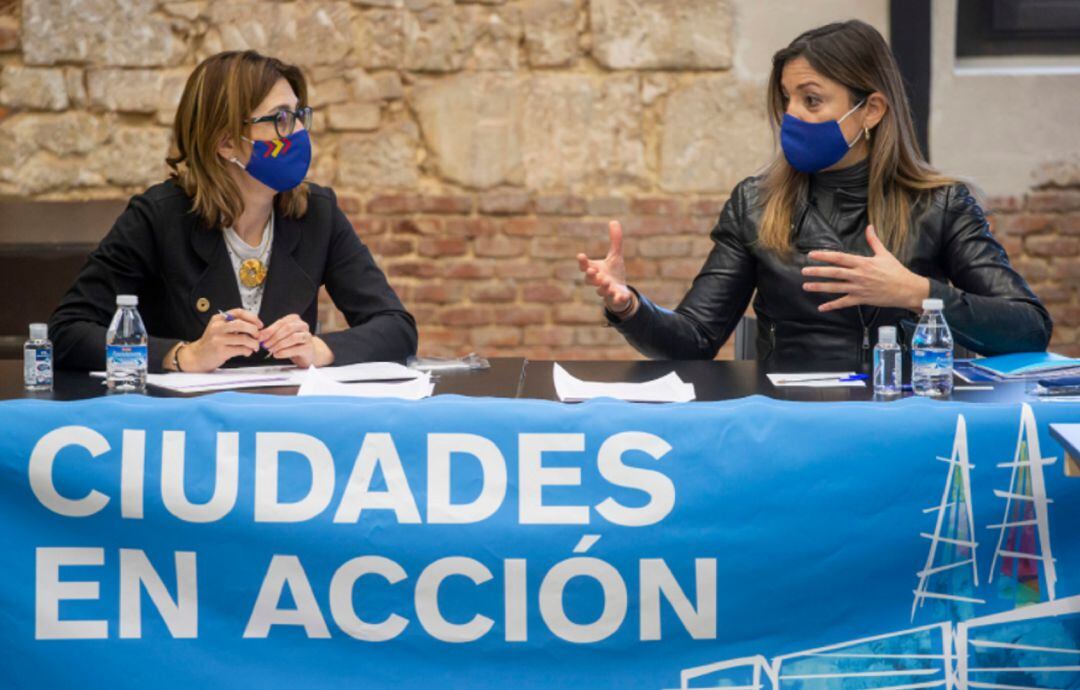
{"x": 160, "y": 250}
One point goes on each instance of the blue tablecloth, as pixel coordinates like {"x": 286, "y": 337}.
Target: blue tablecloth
{"x": 254, "y": 541}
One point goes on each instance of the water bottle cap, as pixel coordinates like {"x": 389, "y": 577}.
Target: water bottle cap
{"x": 887, "y": 335}
{"x": 928, "y": 304}
{"x": 39, "y": 331}
{"x": 127, "y": 300}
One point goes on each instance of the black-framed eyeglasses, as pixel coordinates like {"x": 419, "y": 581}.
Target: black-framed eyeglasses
{"x": 285, "y": 120}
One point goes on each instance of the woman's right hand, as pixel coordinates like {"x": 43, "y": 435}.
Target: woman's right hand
{"x": 608, "y": 275}
{"x": 222, "y": 340}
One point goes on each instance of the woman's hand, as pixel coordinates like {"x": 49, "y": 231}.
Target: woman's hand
{"x": 290, "y": 338}
{"x": 879, "y": 280}
{"x": 223, "y": 339}
{"x": 609, "y": 274}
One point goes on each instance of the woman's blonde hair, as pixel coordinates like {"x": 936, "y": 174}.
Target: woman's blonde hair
{"x": 220, "y": 95}
{"x": 854, "y": 54}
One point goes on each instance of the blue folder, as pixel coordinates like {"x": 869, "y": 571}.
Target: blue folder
{"x": 1021, "y": 364}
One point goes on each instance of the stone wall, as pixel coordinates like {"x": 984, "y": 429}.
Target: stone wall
{"x": 476, "y": 146}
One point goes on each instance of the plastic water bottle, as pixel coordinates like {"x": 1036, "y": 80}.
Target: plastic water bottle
{"x": 932, "y": 353}
{"x": 38, "y": 359}
{"x": 888, "y": 363}
{"x": 126, "y": 354}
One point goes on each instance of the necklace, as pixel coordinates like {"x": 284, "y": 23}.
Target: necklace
{"x": 252, "y": 271}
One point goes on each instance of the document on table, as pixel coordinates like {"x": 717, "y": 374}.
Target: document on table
{"x": 317, "y": 383}
{"x": 818, "y": 380}
{"x": 271, "y": 376}
{"x": 669, "y": 388}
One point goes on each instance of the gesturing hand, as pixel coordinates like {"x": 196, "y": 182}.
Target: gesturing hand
{"x": 879, "y": 280}
{"x": 608, "y": 275}
{"x": 290, "y": 338}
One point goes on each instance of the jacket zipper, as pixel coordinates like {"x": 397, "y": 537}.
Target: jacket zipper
{"x": 865, "y": 351}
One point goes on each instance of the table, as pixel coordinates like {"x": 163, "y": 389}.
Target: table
{"x": 727, "y": 380}
{"x": 727, "y": 538}
{"x": 502, "y": 380}
{"x": 515, "y": 377}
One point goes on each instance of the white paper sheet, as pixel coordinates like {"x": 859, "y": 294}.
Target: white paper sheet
{"x": 272, "y": 376}
{"x": 826, "y": 379}
{"x": 316, "y": 382}
{"x": 669, "y": 388}
{"x": 365, "y": 371}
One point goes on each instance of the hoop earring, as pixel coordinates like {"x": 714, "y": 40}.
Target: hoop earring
{"x": 866, "y": 131}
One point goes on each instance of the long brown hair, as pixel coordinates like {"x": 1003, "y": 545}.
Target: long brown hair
{"x": 854, "y": 54}
{"x": 219, "y": 96}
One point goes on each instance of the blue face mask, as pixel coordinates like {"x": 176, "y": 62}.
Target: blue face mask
{"x": 813, "y": 146}
{"x": 280, "y": 164}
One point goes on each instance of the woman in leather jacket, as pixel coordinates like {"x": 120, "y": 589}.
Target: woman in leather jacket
{"x": 848, "y": 230}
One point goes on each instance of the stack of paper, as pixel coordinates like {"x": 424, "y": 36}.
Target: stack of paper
{"x": 273, "y": 376}
{"x": 668, "y": 388}
{"x": 845, "y": 379}
{"x": 316, "y": 382}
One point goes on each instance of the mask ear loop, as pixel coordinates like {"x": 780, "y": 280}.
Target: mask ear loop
{"x": 856, "y": 107}
{"x": 866, "y": 130}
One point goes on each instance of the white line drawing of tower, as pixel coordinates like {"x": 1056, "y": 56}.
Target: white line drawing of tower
{"x": 1026, "y": 518}
{"x": 960, "y": 547}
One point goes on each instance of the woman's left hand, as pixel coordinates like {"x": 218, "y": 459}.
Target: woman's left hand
{"x": 290, "y": 338}
{"x": 879, "y": 280}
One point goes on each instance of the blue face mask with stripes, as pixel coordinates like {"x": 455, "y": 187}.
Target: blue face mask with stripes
{"x": 280, "y": 164}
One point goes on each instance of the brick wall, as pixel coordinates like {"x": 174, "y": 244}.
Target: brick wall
{"x": 496, "y": 273}
{"x": 1041, "y": 232}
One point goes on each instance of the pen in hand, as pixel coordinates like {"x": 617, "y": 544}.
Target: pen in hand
{"x": 229, "y": 317}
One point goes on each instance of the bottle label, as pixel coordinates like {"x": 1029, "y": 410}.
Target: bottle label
{"x": 931, "y": 359}
{"x": 126, "y": 356}
{"x": 43, "y": 365}
{"x": 37, "y": 366}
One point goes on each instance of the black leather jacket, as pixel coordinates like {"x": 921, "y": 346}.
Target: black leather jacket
{"x": 988, "y": 305}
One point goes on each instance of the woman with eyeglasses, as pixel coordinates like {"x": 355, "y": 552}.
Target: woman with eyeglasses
{"x": 227, "y": 256}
